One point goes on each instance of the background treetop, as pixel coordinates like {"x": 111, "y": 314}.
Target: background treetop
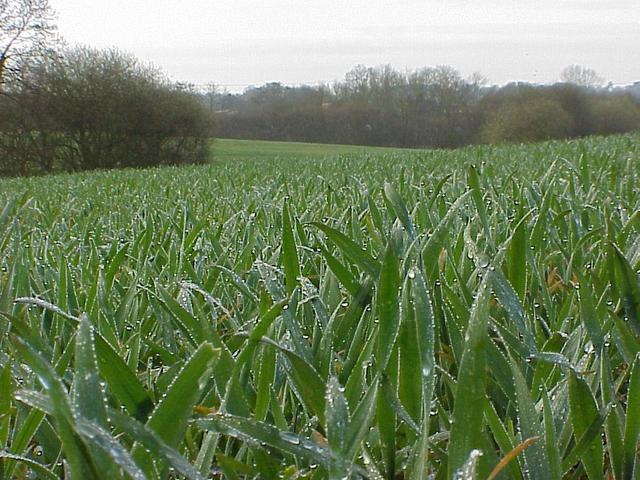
{"x": 27, "y": 30}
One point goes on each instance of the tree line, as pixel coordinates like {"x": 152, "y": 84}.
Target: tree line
{"x": 78, "y": 108}
{"x": 429, "y": 107}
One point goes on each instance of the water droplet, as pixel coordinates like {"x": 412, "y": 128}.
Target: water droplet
{"x": 290, "y": 437}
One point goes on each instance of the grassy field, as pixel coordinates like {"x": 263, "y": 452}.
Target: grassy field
{"x": 322, "y": 312}
{"x": 231, "y": 149}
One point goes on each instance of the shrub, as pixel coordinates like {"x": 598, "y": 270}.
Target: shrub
{"x": 92, "y": 109}
{"x": 529, "y": 120}
{"x": 616, "y": 114}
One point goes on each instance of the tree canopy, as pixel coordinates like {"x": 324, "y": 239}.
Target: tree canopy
{"x": 26, "y": 31}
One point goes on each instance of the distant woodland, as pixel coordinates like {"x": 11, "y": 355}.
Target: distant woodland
{"x": 429, "y": 107}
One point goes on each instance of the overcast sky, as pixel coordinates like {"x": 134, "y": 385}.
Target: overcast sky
{"x": 236, "y": 43}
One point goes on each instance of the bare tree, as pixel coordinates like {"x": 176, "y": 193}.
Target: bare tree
{"x": 210, "y": 95}
{"x": 26, "y": 28}
{"x": 581, "y": 76}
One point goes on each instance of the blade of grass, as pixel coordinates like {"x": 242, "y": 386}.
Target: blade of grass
{"x": 509, "y": 457}
{"x": 550, "y": 441}
{"x": 467, "y": 428}
{"x": 632, "y": 422}
{"x": 583, "y": 411}
{"x": 387, "y": 308}
{"x": 400, "y": 209}
{"x": 77, "y": 456}
{"x": 170, "y": 417}
{"x": 41, "y": 470}
{"x": 88, "y": 395}
{"x": 290, "y": 260}
{"x": 152, "y": 442}
{"x": 350, "y": 249}
{"x": 626, "y": 282}
{"x": 613, "y": 428}
{"x": 535, "y": 457}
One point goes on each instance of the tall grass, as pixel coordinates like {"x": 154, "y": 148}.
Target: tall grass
{"x": 464, "y": 314}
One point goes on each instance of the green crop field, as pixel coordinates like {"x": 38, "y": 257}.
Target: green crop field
{"x": 230, "y": 149}
{"x": 321, "y": 312}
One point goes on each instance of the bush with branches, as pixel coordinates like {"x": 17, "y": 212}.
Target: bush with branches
{"x": 88, "y": 109}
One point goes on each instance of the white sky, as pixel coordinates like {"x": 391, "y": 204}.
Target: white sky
{"x": 240, "y": 42}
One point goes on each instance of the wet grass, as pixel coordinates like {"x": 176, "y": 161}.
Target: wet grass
{"x": 345, "y": 314}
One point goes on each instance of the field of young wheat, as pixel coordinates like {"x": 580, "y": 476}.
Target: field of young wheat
{"x": 464, "y": 314}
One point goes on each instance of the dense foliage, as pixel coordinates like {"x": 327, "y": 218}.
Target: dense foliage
{"x": 87, "y": 109}
{"x": 414, "y": 315}
{"x": 431, "y": 107}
